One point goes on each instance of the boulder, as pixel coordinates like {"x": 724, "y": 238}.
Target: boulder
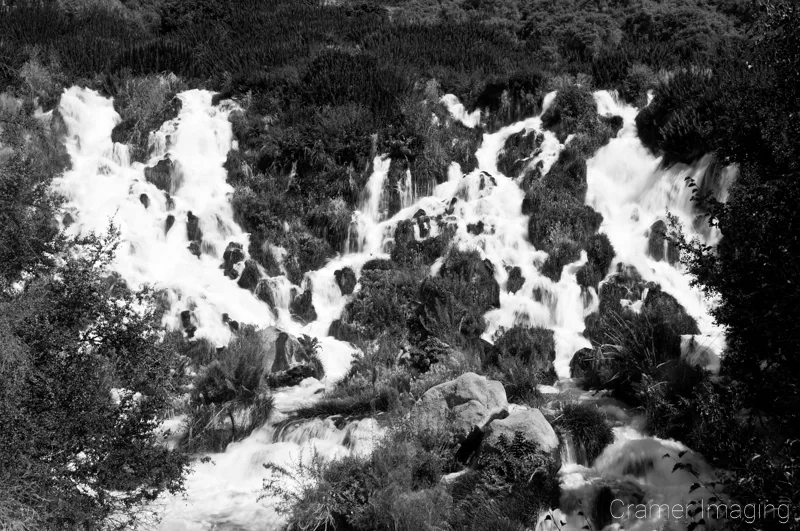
{"x": 515, "y": 280}
{"x": 530, "y": 422}
{"x": 250, "y": 276}
{"x": 144, "y": 200}
{"x": 346, "y": 280}
{"x": 233, "y": 255}
{"x": 302, "y": 307}
{"x": 169, "y": 223}
{"x": 468, "y": 401}
{"x": 264, "y": 293}
{"x": 160, "y": 175}
{"x": 283, "y": 352}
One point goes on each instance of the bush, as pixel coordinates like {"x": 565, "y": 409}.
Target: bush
{"x": 573, "y": 111}
{"x": 588, "y": 427}
{"x": 532, "y": 346}
{"x": 383, "y": 304}
{"x": 600, "y": 254}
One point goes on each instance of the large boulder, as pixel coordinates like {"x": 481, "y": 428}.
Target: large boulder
{"x": 282, "y": 351}
{"x": 530, "y": 422}
{"x": 160, "y": 175}
{"x": 302, "y": 307}
{"x": 346, "y": 280}
{"x": 233, "y": 255}
{"x": 250, "y": 276}
{"x": 468, "y": 401}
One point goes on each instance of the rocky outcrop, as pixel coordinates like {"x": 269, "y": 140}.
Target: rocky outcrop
{"x": 285, "y": 360}
{"x": 233, "y": 255}
{"x": 530, "y": 422}
{"x": 468, "y": 401}
{"x": 346, "y": 280}
{"x": 194, "y": 233}
{"x": 515, "y": 280}
{"x": 160, "y": 175}
{"x": 659, "y": 247}
{"x": 250, "y": 276}
{"x": 302, "y": 307}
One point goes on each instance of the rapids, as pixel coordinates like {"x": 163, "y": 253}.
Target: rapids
{"x": 625, "y": 184}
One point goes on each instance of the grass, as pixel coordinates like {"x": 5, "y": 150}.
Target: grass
{"x": 588, "y": 427}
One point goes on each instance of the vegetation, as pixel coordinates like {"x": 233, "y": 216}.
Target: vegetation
{"x": 322, "y": 88}
{"x": 85, "y": 383}
{"x": 588, "y": 428}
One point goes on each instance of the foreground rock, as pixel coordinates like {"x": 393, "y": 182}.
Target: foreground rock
{"x": 285, "y": 360}
{"x": 530, "y": 422}
{"x": 468, "y": 401}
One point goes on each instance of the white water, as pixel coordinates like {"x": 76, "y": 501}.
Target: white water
{"x": 624, "y": 184}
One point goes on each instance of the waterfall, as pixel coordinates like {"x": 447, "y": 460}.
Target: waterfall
{"x": 174, "y": 240}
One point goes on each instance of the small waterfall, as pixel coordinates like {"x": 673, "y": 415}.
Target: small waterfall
{"x": 366, "y": 229}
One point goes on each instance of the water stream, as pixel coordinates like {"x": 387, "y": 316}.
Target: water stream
{"x": 625, "y": 184}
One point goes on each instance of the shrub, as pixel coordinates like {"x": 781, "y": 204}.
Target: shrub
{"x": 360, "y": 405}
{"x": 573, "y": 111}
{"x": 588, "y": 427}
{"x": 600, "y": 254}
{"x": 512, "y": 486}
{"x": 383, "y": 304}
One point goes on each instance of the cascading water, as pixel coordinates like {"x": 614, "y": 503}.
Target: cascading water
{"x": 625, "y": 184}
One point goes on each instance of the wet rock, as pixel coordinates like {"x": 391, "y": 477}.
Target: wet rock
{"x": 234, "y": 325}
{"x": 285, "y": 360}
{"x": 250, "y": 276}
{"x": 423, "y": 223}
{"x": 291, "y": 377}
{"x": 469, "y": 400}
{"x": 160, "y": 175}
{"x": 264, "y": 292}
{"x": 144, "y": 200}
{"x": 188, "y": 323}
{"x": 515, "y": 280}
{"x": 475, "y": 228}
{"x": 530, "y": 422}
{"x": 67, "y": 220}
{"x": 344, "y": 331}
{"x": 170, "y": 201}
{"x": 517, "y": 151}
{"x": 302, "y": 307}
{"x": 193, "y": 231}
{"x": 659, "y": 247}
{"x": 346, "y": 280}
{"x": 233, "y": 255}
{"x": 451, "y": 207}
{"x": 169, "y": 223}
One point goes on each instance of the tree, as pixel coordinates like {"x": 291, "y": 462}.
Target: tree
{"x": 85, "y": 383}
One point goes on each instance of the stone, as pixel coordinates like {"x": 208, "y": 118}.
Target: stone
{"x": 282, "y": 351}
{"x": 233, "y": 255}
{"x": 193, "y": 231}
{"x": 170, "y": 221}
{"x": 302, "y": 307}
{"x": 530, "y": 422}
{"x": 67, "y": 220}
{"x": 515, "y": 280}
{"x": 250, "y": 276}
{"x": 264, "y": 293}
{"x": 160, "y": 175}
{"x": 346, "y": 280}
{"x": 468, "y": 401}
{"x": 144, "y": 200}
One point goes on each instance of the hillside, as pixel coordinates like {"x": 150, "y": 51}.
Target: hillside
{"x": 397, "y": 264}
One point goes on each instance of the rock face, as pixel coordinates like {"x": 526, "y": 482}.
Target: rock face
{"x": 469, "y": 400}
{"x": 530, "y": 422}
{"x": 250, "y": 276}
{"x": 160, "y": 175}
{"x": 233, "y": 255}
{"x": 302, "y": 307}
{"x": 346, "y": 280}
{"x": 285, "y": 360}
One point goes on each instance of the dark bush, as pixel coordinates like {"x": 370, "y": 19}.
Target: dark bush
{"x": 588, "y": 427}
